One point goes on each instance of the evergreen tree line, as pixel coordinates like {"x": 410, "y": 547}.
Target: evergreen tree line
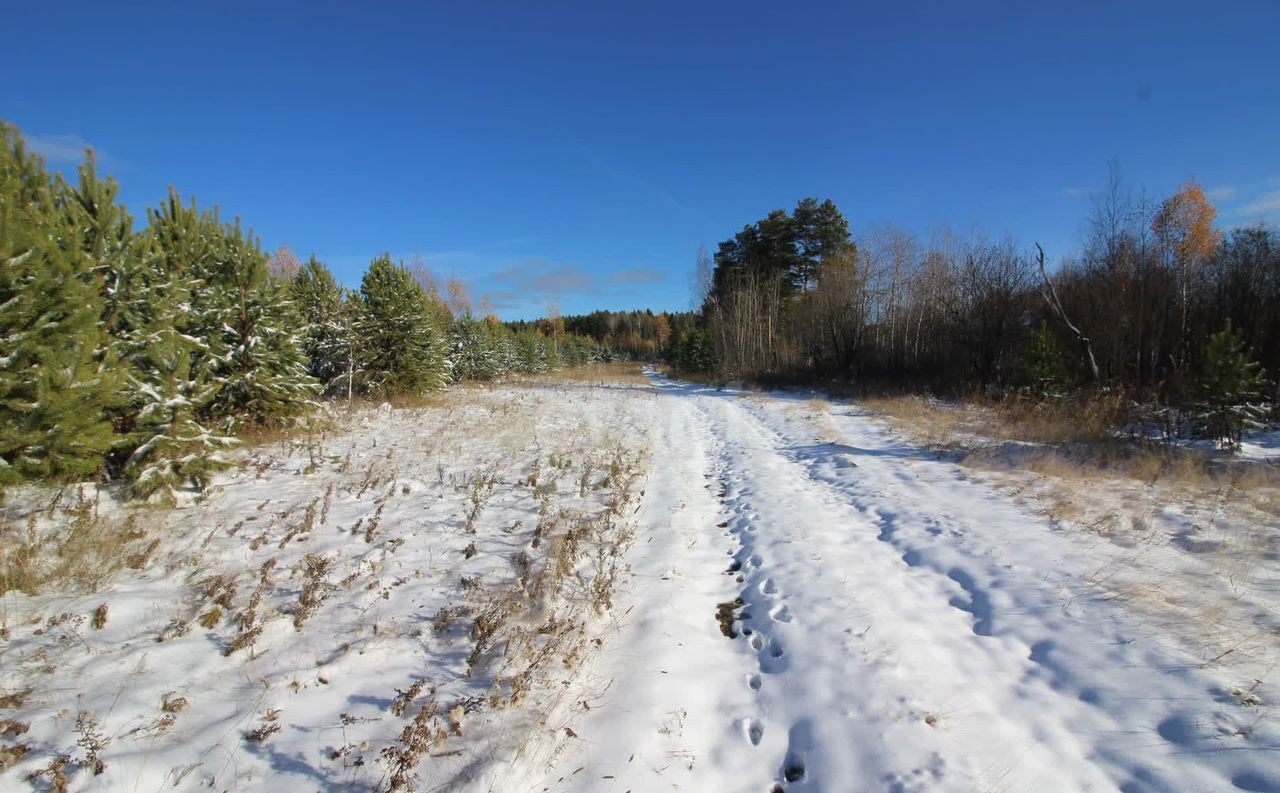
{"x": 142, "y": 353}
{"x": 1161, "y": 306}
{"x": 636, "y": 335}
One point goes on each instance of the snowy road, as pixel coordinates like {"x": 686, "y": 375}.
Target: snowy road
{"x": 897, "y": 627}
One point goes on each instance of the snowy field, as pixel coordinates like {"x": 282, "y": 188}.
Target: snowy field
{"x": 645, "y": 586}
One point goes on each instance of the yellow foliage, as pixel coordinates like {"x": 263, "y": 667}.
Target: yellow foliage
{"x": 1185, "y": 224}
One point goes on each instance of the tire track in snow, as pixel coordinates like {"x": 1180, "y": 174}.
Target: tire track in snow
{"x": 1083, "y": 658}
{"x": 833, "y": 704}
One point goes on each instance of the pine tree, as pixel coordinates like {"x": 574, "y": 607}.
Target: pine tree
{"x": 104, "y": 227}
{"x": 54, "y": 389}
{"x": 473, "y": 351}
{"x": 247, "y": 356}
{"x": 1230, "y": 390}
{"x": 694, "y": 351}
{"x": 1043, "y": 370}
{"x": 402, "y": 345}
{"x": 263, "y": 377}
{"x": 173, "y": 448}
{"x": 531, "y": 353}
{"x": 323, "y": 307}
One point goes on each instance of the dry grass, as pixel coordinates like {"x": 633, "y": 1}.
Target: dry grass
{"x": 1065, "y": 440}
{"x": 934, "y": 424}
{"x": 309, "y": 428}
{"x": 71, "y": 544}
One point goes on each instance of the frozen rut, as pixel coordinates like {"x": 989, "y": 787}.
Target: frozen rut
{"x": 895, "y": 627}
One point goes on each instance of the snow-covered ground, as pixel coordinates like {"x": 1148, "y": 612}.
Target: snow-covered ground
{"x": 806, "y": 601}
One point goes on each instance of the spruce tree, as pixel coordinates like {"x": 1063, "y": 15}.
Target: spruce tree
{"x": 54, "y": 388}
{"x": 1230, "y": 390}
{"x": 402, "y": 346}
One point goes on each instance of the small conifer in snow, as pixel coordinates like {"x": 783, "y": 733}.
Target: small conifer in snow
{"x": 1230, "y": 390}
{"x": 474, "y": 351}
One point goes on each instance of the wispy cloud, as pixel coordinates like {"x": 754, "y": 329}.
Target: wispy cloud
{"x": 60, "y": 149}
{"x": 539, "y": 279}
{"x": 639, "y": 275}
{"x": 1265, "y": 205}
{"x": 1224, "y": 192}
{"x": 514, "y": 285}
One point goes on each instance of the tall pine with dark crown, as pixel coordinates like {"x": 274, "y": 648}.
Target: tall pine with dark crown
{"x": 54, "y": 387}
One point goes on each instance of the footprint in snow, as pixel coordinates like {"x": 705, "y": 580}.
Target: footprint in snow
{"x": 780, "y": 613}
{"x": 767, "y": 587}
{"x": 799, "y": 744}
{"x": 772, "y": 657}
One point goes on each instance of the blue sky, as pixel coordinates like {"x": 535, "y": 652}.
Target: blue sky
{"x": 581, "y": 152}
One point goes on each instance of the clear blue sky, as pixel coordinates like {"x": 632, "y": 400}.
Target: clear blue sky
{"x": 583, "y": 151}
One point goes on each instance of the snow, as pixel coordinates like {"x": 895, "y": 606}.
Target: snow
{"x": 900, "y": 622}
{"x": 1261, "y": 446}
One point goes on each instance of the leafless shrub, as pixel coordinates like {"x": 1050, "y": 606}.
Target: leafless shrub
{"x": 479, "y": 487}
{"x": 13, "y": 729}
{"x": 328, "y": 502}
{"x": 269, "y": 726}
{"x": 218, "y": 588}
{"x": 305, "y": 526}
{"x": 315, "y": 587}
{"x": 445, "y": 618}
{"x": 15, "y": 699}
{"x": 55, "y": 773}
{"x": 404, "y": 699}
{"x": 370, "y": 479}
{"x": 371, "y": 527}
{"x": 418, "y": 737}
{"x": 92, "y": 741}
{"x": 250, "y": 625}
{"x": 12, "y": 755}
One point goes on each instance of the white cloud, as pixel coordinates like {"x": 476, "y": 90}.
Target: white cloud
{"x": 1264, "y": 205}
{"x": 639, "y": 275}
{"x": 1225, "y": 192}
{"x": 59, "y": 149}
